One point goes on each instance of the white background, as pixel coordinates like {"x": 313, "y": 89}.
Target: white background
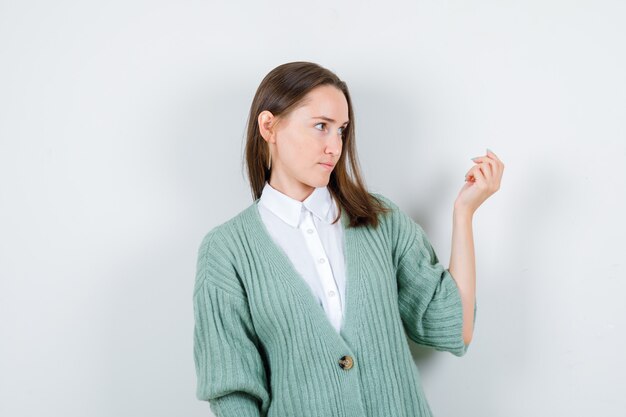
{"x": 122, "y": 131}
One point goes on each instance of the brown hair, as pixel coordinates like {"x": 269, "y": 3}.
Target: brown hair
{"x": 280, "y": 92}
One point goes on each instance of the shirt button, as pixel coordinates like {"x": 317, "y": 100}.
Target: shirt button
{"x": 322, "y": 260}
{"x": 331, "y": 293}
{"x": 346, "y": 362}
{"x": 309, "y": 231}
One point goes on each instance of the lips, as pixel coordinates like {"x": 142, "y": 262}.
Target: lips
{"x": 328, "y": 164}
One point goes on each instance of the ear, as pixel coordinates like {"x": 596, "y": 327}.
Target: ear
{"x": 267, "y": 123}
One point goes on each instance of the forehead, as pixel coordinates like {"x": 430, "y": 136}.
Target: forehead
{"x": 326, "y": 101}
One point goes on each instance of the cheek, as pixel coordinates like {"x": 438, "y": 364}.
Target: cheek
{"x": 298, "y": 150}
{"x": 295, "y": 149}
{"x": 302, "y": 149}
{"x": 306, "y": 147}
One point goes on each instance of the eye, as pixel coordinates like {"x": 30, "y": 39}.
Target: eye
{"x": 343, "y": 128}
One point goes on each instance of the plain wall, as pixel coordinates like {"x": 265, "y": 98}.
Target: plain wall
{"x": 122, "y": 132}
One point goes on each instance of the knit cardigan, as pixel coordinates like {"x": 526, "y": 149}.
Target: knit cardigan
{"x": 263, "y": 346}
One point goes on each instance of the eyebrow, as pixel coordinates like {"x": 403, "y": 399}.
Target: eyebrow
{"x": 328, "y": 119}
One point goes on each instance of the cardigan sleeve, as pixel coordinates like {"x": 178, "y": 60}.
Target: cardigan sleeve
{"x": 229, "y": 367}
{"x": 428, "y": 297}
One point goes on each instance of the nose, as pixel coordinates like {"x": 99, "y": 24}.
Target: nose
{"x": 333, "y": 146}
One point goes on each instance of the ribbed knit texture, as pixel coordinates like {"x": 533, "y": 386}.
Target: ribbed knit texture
{"x": 263, "y": 346}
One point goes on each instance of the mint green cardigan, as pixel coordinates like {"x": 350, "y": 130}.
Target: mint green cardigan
{"x": 263, "y": 346}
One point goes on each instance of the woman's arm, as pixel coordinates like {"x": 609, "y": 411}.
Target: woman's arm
{"x": 463, "y": 267}
{"x": 481, "y": 181}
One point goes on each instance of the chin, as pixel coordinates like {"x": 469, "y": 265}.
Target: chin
{"x": 317, "y": 183}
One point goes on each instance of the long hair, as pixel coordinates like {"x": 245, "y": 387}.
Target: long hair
{"x": 280, "y": 92}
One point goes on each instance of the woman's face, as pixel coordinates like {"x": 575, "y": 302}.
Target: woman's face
{"x": 306, "y": 139}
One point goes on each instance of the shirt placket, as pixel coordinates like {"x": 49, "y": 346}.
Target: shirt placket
{"x": 323, "y": 267}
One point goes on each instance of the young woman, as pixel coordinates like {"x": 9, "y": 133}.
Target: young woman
{"x": 303, "y": 300}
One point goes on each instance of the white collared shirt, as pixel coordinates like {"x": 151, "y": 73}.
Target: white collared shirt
{"x": 315, "y": 246}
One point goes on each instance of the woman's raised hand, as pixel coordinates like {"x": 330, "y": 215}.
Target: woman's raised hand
{"x": 481, "y": 181}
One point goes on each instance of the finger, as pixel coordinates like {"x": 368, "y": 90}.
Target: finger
{"x": 487, "y": 164}
{"x": 488, "y": 168}
{"x": 479, "y": 176}
{"x": 472, "y": 173}
{"x": 491, "y": 174}
{"x": 494, "y": 157}
{"x": 491, "y": 154}
{"x": 488, "y": 158}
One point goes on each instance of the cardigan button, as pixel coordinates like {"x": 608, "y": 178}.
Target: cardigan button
{"x": 346, "y": 362}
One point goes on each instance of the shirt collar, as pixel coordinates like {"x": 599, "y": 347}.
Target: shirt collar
{"x": 290, "y": 210}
